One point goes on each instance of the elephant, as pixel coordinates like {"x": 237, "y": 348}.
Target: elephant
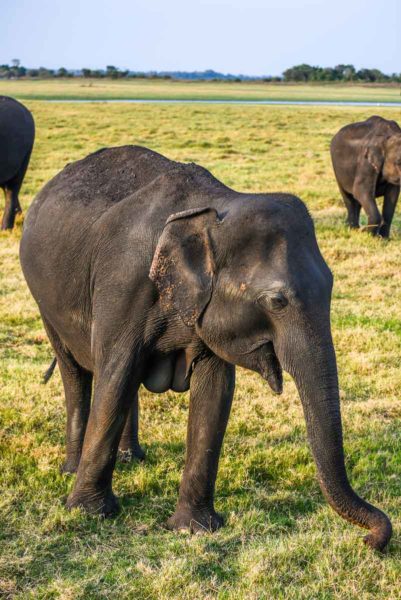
{"x": 17, "y": 134}
{"x": 366, "y": 158}
{"x": 150, "y": 271}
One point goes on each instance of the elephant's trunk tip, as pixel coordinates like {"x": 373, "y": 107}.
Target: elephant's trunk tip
{"x": 359, "y": 512}
{"x": 380, "y": 534}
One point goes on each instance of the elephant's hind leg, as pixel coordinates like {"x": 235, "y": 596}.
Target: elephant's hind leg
{"x": 11, "y": 190}
{"x": 77, "y": 384}
{"x": 129, "y": 447}
{"x": 114, "y": 383}
{"x": 11, "y": 207}
{"x": 353, "y": 209}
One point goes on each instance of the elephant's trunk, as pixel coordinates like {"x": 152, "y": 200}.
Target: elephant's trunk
{"x": 312, "y": 364}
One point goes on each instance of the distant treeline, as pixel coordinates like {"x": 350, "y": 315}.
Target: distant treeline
{"x": 338, "y": 73}
{"x": 300, "y": 73}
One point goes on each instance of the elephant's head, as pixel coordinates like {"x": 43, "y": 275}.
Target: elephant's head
{"x": 252, "y": 282}
{"x": 381, "y": 154}
{"x": 392, "y": 159}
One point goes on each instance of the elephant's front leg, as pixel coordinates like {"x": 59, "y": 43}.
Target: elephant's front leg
{"x": 369, "y": 205}
{"x": 389, "y": 203}
{"x": 129, "y": 447}
{"x": 212, "y": 387}
{"x": 112, "y": 398}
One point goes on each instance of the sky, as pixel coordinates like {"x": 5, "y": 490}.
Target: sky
{"x": 256, "y": 37}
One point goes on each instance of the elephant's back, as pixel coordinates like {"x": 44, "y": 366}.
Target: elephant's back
{"x": 86, "y": 189}
{"x": 107, "y": 176}
{"x": 349, "y": 134}
{"x": 60, "y": 227}
{"x": 353, "y": 134}
{"x": 17, "y": 132}
{"x": 346, "y": 146}
{"x": 95, "y": 183}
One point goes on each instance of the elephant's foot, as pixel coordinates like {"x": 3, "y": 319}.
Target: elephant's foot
{"x": 70, "y": 466}
{"x": 195, "y": 520}
{"x": 379, "y": 536}
{"x": 127, "y": 455}
{"x": 384, "y": 232}
{"x": 374, "y": 542}
{"x": 104, "y": 505}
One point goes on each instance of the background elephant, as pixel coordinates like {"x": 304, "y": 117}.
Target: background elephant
{"x": 17, "y": 133}
{"x": 150, "y": 271}
{"x": 366, "y": 159}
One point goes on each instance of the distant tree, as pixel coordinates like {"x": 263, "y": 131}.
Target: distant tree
{"x": 112, "y": 72}
{"x": 344, "y": 72}
{"x": 379, "y": 76}
{"x": 349, "y": 72}
{"x": 62, "y": 72}
{"x": 21, "y": 72}
{"x": 15, "y": 62}
{"x": 44, "y": 73}
{"x": 86, "y": 73}
{"x": 371, "y": 75}
{"x": 4, "y": 71}
{"x": 299, "y": 73}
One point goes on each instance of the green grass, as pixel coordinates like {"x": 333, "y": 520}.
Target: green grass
{"x": 103, "y": 89}
{"x": 281, "y": 539}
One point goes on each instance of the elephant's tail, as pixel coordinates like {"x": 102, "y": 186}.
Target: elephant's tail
{"x": 49, "y": 372}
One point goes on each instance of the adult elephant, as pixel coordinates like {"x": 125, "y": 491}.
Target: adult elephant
{"x": 151, "y": 271}
{"x": 17, "y": 134}
{"x": 366, "y": 159}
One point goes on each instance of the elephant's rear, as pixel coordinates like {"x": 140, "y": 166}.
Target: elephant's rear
{"x": 344, "y": 150}
{"x": 17, "y": 134}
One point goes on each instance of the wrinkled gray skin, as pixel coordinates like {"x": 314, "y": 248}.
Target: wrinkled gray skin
{"x": 366, "y": 159}
{"x": 17, "y": 133}
{"x": 150, "y": 271}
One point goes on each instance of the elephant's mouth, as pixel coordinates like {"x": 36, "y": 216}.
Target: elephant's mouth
{"x": 265, "y": 362}
{"x": 272, "y": 371}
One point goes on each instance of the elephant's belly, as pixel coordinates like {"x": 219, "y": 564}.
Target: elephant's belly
{"x": 167, "y": 373}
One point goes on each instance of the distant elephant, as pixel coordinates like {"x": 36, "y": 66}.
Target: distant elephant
{"x": 366, "y": 159}
{"x": 150, "y": 271}
{"x": 17, "y": 134}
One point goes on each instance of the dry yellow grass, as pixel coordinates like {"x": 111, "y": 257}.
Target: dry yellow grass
{"x": 281, "y": 539}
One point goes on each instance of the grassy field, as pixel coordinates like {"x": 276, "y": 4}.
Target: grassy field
{"x": 281, "y": 539}
{"x": 103, "y": 89}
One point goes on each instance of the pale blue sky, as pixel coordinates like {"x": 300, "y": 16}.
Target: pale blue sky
{"x": 238, "y": 36}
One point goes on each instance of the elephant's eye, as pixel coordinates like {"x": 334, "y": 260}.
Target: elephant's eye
{"x": 273, "y": 301}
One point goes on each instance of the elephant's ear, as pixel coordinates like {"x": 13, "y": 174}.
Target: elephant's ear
{"x": 183, "y": 264}
{"x": 374, "y": 154}
{"x": 370, "y": 164}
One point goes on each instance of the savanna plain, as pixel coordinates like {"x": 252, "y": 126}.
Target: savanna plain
{"x": 281, "y": 539}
